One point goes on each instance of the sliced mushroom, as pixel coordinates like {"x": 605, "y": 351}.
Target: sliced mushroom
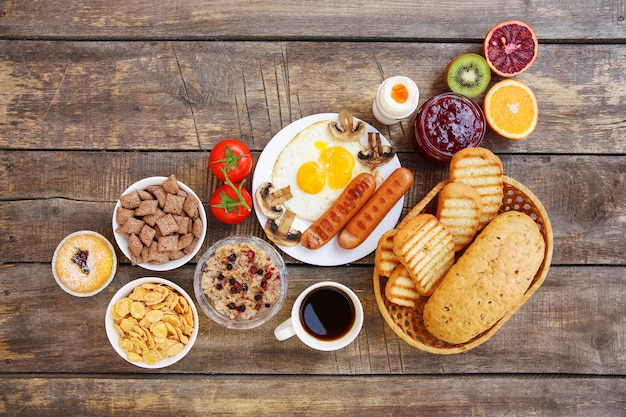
{"x": 270, "y": 200}
{"x": 376, "y": 154}
{"x": 346, "y": 128}
{"x": 281, "y": 232}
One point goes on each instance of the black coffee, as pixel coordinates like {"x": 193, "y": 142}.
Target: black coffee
{"x": 327, "y": 313}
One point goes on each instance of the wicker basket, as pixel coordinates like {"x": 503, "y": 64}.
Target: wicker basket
{"x": 408, "y": 324}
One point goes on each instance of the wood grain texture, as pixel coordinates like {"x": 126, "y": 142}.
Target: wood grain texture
{"x": 574, "y": 324}
{"x": 373, "y": 396}
{"x": 189, "y": 95}
{"x": 70, "y": 191}
{"x": 95, "y": 95}
{"x": 288, "y": 19}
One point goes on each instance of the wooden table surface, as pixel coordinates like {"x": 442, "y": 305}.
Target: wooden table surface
{"x": 95, "y": 95}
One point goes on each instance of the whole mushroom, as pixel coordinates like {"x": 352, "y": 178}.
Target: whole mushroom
{"x": 346, "y": 128}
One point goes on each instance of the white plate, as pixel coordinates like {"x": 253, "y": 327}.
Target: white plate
{"x": 330, "y": 254}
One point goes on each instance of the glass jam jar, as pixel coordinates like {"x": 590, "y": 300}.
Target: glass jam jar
{"x": 445, "y": 124}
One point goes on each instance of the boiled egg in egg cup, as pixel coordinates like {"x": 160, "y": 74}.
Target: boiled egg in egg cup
{"x": 396, "y": 99}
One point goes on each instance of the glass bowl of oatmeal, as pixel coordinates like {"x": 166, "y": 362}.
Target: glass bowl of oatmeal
{"x": 241, "y": 282}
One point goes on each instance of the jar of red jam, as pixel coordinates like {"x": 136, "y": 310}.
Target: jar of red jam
{"x": 445, "y": 124}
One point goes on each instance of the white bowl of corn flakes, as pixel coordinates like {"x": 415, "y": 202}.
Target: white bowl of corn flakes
{"x": 151, "y": 322}
{"x": 159, "y": 223}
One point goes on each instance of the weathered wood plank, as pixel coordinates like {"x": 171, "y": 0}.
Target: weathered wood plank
{"x": 69, "y": 191}
{"x": 196, "y": 19}
{"x": 263, "y": 396}
{"x": 574, "y": 324}
{"x": 189, "y": 95}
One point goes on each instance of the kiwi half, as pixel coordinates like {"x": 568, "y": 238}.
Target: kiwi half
{"x": 468, "y": 74}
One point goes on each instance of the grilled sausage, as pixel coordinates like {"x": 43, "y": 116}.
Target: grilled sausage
{"x": 376, "y": 208}
{"x": 335, "y": 218}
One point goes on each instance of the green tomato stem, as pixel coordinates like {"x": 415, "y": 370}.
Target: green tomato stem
{"x": 231, "y": 204}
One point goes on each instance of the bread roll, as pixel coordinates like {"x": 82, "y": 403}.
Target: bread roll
{"x": 488, "y": 280}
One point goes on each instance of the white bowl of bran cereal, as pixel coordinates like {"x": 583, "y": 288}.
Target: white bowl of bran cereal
{"x": 241, "y": 282}
{"x": 151, "y": 322}
{"x": 141, "y": 231}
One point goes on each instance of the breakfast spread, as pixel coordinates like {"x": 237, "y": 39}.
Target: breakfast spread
{"x": 458, "y": 269}
{"x": 161, "y": 223}
{"x": 240, "y": 280}
{"x": 83, "y": 263}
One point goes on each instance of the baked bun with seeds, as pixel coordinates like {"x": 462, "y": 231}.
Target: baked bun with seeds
{"x": 488, "y": 280}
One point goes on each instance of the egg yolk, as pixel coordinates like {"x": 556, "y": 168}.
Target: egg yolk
{"x": 311, "y": 177}
{"x": 339, "y": 164}
{"x": 399, "y": 93}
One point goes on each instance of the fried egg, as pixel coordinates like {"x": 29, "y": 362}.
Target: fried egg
{"x": 317, "y": 167}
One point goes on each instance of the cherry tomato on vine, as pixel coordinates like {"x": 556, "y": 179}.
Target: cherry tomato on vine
{"x": 231, "y": 203}
{"x": 233, "y": 157}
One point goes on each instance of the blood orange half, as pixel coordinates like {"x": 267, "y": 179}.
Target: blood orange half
{"x": 510, "y": 48}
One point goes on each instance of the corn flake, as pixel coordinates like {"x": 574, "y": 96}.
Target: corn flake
{"x": 154, "y": 323}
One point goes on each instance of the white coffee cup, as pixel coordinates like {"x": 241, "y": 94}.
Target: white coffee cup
{"x": 325, "y": 316}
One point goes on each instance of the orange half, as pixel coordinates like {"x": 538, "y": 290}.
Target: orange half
{"x": 511, "y": 109}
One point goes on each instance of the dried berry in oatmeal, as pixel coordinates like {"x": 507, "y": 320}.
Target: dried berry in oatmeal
{"x": 241, "y": 280}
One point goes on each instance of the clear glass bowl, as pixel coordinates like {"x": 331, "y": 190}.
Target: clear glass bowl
{"x": 223, "y": 296}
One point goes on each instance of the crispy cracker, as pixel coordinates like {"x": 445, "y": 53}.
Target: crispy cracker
{"x": 459, "y": 208}
{"x": 482, "y": 169}
{"x": 426, "y": 249}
